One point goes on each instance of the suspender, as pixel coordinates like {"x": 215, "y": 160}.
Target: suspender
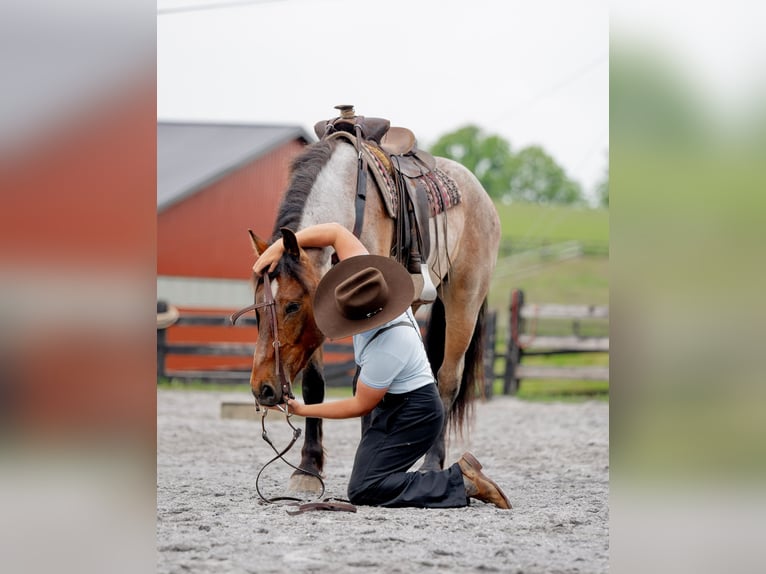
{"x": 375, "y": 336}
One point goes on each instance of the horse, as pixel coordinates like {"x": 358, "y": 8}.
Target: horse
{"x": 321, "y": 189}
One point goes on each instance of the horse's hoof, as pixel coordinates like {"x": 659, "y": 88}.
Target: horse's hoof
{"x": 300, "y": 482}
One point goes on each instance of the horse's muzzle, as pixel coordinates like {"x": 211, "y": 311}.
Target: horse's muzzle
{"x": 268, "y": 396}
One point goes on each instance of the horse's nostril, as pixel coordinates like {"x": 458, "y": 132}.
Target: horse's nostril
{"x": 267, "y": 393}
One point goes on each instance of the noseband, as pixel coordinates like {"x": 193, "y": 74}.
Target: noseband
{"x": 268, "y": 301}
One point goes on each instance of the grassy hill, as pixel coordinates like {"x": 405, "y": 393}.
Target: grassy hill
{"x": 528, "y": 258}
{"x": 535, "y": 256}
{"x": 531, "y": 222}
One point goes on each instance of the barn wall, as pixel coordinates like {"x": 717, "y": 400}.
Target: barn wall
{"x": 226, "y": 295}
{"x": 205, "y": 235}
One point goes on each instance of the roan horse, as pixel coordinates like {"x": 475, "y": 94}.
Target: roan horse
{"x": 322, "y": 189}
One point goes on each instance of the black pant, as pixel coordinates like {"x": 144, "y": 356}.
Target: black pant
{"x": 402, "y": 429}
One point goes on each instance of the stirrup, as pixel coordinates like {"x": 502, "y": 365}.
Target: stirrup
{"x": 428, "y": 294}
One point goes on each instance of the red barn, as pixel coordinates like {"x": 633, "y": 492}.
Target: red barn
{"x": 214, "y": 181}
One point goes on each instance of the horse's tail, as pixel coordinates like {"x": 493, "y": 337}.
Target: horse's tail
{"x": 473, "y": 370}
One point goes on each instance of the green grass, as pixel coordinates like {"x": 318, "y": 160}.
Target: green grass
{"x": 199, "y": 385}
{"x": 553, "y": 223}
{"x": 563, "y": 390}
{"x": 532, "y": 390}
{"x": 566, "y": 390}
{"x": 584, "y": 280}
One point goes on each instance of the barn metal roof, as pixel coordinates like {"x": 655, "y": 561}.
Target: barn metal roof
{"x": 191, "y": 156}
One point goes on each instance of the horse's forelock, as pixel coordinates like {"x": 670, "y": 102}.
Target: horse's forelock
{"x": 291, "y": 267}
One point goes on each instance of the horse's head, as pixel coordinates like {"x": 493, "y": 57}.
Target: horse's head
{"x": 293, "y": 284}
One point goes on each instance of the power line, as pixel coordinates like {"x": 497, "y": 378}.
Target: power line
{"x": 594, "y": 147}
{"x": 557, "y": 87}
{"x": 211, "y": 6}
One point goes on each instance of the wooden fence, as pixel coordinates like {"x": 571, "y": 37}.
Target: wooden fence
{"x": 339, "y": 355}
{"x": 339, "y": 359}
{"x": 225, "y": 350}
{"x": 522, "y": 340}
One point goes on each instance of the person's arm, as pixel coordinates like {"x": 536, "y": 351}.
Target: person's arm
{"x": 365, "y": 399}
{"x": 332, "y": 235}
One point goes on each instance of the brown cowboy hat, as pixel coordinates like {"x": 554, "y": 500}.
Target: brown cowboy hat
{"x": 361, "y": 293}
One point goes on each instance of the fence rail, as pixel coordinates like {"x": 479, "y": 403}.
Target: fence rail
{"x": 520, "y": 342}
{"x": 166, "y": 349}
{"x": 339, "y": 365}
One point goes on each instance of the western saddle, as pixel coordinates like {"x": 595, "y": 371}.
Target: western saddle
{"x": 411, "y": 245}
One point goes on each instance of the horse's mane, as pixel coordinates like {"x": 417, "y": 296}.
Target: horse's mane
{"x": 303, "y": 173}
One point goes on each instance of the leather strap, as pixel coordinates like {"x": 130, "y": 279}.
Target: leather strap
{"x": 361, "y": 184}
{"x": 268, "y": 301}
{"x": 323, "y": 505}
{"x": 420, "y": 208}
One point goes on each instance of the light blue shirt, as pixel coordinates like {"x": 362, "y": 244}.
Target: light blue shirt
{"x": 396, "y": 360}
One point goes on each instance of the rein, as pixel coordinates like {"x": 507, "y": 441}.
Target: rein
{"x": 268, "y": 301}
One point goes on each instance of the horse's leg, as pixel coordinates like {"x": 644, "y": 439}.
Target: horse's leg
{"x": 312, "y": 453}
{"x": 462, "y": 308}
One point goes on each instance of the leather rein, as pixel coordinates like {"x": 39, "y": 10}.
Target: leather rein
{"x": 319, "y": 504}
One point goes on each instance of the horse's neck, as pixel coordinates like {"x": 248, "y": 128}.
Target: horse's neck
{"x": 332, "y": 200}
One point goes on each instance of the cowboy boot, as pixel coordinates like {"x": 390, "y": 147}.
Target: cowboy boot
{"x": 478, "y": 485}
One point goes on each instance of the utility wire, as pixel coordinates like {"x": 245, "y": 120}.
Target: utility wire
{"x": 555, "y": 88}
{"x": 211, "y": 6}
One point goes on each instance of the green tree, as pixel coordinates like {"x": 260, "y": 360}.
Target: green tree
{"x": 530, "y": 175}
{"x": 538, "y": 178}
{"x": 487, "y": 157}
{"x": 602, "y": 190}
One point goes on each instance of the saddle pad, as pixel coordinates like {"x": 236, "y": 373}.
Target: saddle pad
{"x": 442, "y": 191}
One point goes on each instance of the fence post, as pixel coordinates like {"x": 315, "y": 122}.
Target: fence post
{"x": 513, "y": 347}
{"x": 490, "y": 327}
{"x": 162, "y": 307}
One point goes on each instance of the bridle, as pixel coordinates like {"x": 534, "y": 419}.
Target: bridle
{"x": 319, "y": 504}
{"x": 271, "y": 305}
{"x": 268, "y": 301}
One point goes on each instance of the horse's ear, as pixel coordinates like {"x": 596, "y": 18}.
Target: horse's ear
{"x": 290, "y": 242}
{"x": 258, "y": 244}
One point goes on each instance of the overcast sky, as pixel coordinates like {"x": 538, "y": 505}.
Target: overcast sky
{"x": 534, "y": 72}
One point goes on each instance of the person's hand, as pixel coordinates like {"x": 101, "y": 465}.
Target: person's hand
{"x": 294, "y": 407}
{"x": 269, "y": 258}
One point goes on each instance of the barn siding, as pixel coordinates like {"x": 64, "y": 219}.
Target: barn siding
{"x": 206, "y": 234}
{"x": 208, "y": 293}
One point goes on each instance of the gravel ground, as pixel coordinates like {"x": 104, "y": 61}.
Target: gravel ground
{"x": 552, "y": 460}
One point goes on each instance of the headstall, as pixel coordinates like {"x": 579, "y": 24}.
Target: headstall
{"x": 318, "y": 504}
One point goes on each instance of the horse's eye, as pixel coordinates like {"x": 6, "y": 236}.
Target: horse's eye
{"x": 292, "y": 307}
